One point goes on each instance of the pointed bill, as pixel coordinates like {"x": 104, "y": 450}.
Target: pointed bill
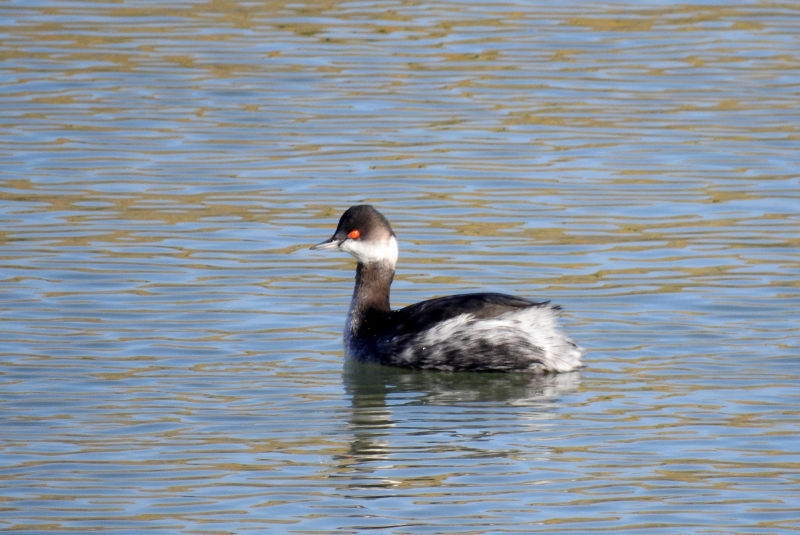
{"x": 327, "y": 245}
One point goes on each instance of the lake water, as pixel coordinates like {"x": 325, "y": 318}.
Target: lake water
{"x": 170, "y": 351}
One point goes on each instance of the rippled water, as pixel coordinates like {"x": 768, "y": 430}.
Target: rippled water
{"x": 170, "y": 351}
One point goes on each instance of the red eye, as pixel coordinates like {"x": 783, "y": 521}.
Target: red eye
{"x": 354, "y": 234}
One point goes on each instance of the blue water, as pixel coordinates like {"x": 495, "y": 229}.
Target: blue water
{"x": 170, "y": 351}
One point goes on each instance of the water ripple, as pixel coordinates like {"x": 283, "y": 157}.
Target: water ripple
{"x": 170, "y": 353}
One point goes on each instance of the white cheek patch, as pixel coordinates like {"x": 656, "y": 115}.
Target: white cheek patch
{"x": 364, "y": 252}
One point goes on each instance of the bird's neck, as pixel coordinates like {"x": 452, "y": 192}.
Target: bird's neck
{"x": 371, "y": 293}
{"x": 373, "y": 282}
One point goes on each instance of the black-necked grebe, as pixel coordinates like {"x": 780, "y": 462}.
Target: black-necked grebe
{"x": 477, "y": 332}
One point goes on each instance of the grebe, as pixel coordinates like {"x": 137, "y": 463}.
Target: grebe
{"x": 475, "y": 332}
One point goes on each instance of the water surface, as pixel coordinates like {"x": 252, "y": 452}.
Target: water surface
{"x": 170, "y": 351}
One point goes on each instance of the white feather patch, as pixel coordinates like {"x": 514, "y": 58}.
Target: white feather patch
{"x": 366, "y": 252}
{"x": 536, "y": 326}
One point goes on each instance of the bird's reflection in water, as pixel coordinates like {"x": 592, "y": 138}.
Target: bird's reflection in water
{"x": 383, "y": 396}
{"x": 370, "y": 384}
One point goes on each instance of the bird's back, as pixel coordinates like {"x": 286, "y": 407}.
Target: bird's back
{"x": 477, "y": 332}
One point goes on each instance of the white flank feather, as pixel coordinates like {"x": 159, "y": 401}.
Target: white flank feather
{"x": 534, "y": 326}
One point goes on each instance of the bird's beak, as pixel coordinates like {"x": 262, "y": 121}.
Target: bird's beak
{"x": 327, "y": 245}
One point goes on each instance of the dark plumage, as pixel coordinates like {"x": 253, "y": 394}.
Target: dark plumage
{"x": 477, "y": 332}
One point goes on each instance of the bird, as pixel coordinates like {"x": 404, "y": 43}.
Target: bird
{"x": 480, "y": 332}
